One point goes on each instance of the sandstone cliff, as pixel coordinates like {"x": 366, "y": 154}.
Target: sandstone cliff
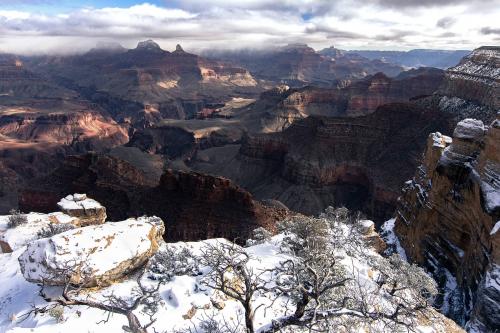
{"x": 446, "y": 220}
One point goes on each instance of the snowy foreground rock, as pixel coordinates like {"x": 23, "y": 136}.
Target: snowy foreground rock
{"x": 93, "y": 255}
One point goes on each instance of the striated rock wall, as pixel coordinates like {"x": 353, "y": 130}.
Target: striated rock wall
{"x": 446, "y": 217}
{"x": 360, "y": 162}
{"x": 476, "y": 77}
{"x": 280, "y": 107}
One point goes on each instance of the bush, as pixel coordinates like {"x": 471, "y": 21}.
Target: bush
{"x": 171, "y": 262}
{"x": 259, "y": 236}
{"x": 16, "y": 219}
{"x": 54, "y": 229}
{"x": 57, "y": 313}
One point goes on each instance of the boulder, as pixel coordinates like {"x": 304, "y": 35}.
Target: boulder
{"x": 88, "y": 211}
{"x": 94, "y": 255}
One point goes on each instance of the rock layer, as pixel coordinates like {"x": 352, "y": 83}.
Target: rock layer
{"x": 360, "y": 162}
{"x": 446, "y": 216}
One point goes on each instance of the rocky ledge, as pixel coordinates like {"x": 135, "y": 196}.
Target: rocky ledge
{"x": 448, "y": 220}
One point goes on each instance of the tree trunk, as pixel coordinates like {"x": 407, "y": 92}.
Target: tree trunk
{"x": 301, "y": 305}
{"x": 133, "y": 323}
{"x": 249, "y": 317}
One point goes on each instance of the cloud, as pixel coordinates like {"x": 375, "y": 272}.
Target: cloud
{"x": 200, "y": 24}
{"x": 490, "y": 31}
{"x": 445, "y": 22}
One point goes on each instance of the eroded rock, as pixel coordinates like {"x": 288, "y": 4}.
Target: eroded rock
{"x": 94, "y": 255}
{"x": 88, "y": 211}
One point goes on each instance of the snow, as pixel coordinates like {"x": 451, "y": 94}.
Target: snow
{"x": 491, "y": 196}
{"x": 96, "y": 248}
{"x": 22, "y": 234}
{"x": 495, "y": 229}
{"x": 77, "y": 202}
{"x": 390, "y": 237}
{"x": 469, "y": 129}
{"x": 178, "y": 296}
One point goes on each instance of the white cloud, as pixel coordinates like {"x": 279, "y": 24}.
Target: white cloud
{"x": 381, "y": 24}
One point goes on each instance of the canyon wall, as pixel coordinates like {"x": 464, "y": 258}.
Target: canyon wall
{"x": 446, "y": 220}
{"x": 194, "y": 206}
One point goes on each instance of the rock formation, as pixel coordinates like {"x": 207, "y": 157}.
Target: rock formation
{"x": 94, "y": 255}
{"x": 86, "y": 210}
{"x": 278, "y": 108}
{"x": 446, "y": 220}
{"x": 195, "y": 206}
{"x": 476, "y": 78}
{"x": 360, "y": 162}
{"x": 146, "y": 84}
{"x": 299, "y": 64}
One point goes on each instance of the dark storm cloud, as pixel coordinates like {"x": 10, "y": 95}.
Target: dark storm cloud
{"x": 446, "y": 22}
{"x": 490, "y": 31}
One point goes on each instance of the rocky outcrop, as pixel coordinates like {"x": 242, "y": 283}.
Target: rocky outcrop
{"x": 278, "y": 108}
{"x": 360, "y": 162}
{"x": 299, "y": 64}
{"x": 109, "y": 180}
{"x": 86, "y": 210}
{"x": 94, "y": 255}
{"x": 150, "y": 83}
{"x": 476, "y": 78}
{"x": 77, "y": 124}
{"x": 195, "y": 206}
{"x": 201, "y": 206}
{"x": 170, "y": 141}
{"x": 446, "y": 217}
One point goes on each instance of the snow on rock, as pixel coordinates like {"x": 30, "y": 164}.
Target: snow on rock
{"x": 391, "y": 239}
{"x": 495, "y": 229}
{"x": 87, "y": 210}
{"x": 94, "y": 255}
{"x": 19, "y": 236}
{"x": 469, "y": 129}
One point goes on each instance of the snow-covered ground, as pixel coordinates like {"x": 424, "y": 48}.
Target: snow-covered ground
{"x": 184, "y": 301}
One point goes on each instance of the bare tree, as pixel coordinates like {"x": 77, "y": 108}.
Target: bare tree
{"x": 231, "y": 274}
{"x": 72, "y": 295}
{"x": 326, "y": 294}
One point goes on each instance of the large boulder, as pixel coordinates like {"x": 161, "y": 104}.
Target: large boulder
{"x": 88, "y": 211}
{"x": 94, "y": 255}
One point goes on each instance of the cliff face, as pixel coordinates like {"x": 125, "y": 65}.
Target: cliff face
{"x": 360, "y": 162}
{"x": 476, "y": 77}
{"x": 146, "y": 84}
{"x": 446, "y": 220}
{"x": 282, "y": 106}
{"x": 195, "y": 206}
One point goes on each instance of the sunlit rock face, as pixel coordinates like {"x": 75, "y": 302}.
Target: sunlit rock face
{"x": 446, "y": 219}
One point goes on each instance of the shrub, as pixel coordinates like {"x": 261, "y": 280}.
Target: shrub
{"x": 54, "y": 229}
{"x": 170, "y": 262}
{"x": 57, "y": 313}
{"x": 16, "y": 219}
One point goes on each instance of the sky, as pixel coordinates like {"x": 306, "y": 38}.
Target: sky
{"x": 71, "y": 26}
